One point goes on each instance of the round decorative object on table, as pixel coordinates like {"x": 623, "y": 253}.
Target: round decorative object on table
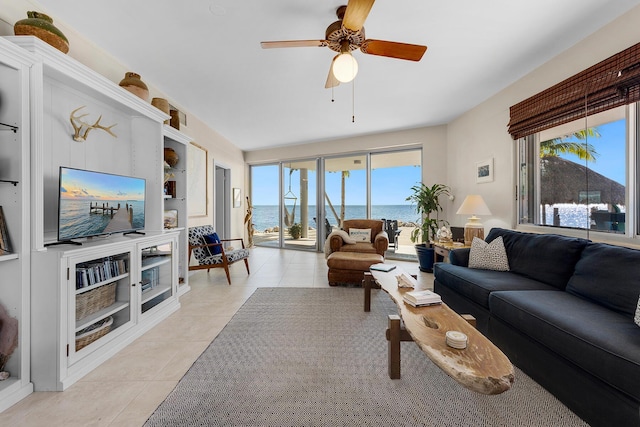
{"x": 171, "y": 157}
{"x": 133, "y": 84}
{"x": 41, "y": 25}
{"x": 456, "y": 339}
{"x": 162, "y": 105}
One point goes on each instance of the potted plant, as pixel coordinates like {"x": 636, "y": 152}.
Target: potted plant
{"x": 427, "y": 202}
{"x": 295, "y": 230}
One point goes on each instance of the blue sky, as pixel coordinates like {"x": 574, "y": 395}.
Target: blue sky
{"x": 611, "y": 149}
{"x": 390, "y": 186}
{"x": 88, "y": 185}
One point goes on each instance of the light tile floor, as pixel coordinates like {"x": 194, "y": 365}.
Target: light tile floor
{"x": 127, "y": 388}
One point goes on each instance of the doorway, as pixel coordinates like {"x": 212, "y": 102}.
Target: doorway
{"x": 222, "y": 201}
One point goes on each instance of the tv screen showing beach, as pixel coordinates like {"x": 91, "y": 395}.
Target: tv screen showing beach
{"x": 94, "y": 203}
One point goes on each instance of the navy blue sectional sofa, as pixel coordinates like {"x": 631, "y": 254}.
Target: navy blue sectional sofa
{"x": 563, "y": 314}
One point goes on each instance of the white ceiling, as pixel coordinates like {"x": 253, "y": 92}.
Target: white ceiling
{"x": 206, "y": 56}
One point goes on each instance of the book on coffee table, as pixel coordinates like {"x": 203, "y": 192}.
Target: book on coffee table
{"x": 382, "y": 267}
{"x": 422, "y": 298}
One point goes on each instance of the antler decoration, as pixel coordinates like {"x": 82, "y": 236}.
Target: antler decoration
{"x": 78, "y": 125}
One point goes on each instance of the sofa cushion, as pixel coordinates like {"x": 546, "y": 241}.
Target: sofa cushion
{"x": 364, "y": 247}
{"x": 488, "y": 256}
{"x": 636, "y": 318}
{"x": 608, "y": 275}
{"x": 600, "y": 341}
{"x": 460, "y": 256}
{"x": 549, "y": 258}
{"x": 476, "y": 285}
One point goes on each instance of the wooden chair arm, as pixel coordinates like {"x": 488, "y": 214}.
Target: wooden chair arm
{"x": 231, "y": 240}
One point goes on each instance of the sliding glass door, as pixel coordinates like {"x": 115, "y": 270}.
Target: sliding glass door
{"x": 392, "y": 176}
{"x": 345, "y": 183}
{"x": 286, "y": 197}
{"x": 299, "y": 204}
{"x": 265, "y": 198}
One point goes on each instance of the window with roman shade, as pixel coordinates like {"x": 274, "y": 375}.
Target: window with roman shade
{"x": 603, "y": 86}
{"x": 573, "y": 139}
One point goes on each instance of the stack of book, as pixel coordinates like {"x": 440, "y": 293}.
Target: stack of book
{"x": 422, "y": 298}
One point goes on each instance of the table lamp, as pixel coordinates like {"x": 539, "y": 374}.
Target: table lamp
{"x": 473, "y": 205}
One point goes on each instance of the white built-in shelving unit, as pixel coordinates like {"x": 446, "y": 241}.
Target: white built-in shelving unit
{"x": 44, "y": 282}
{"x": 15, "y": 72}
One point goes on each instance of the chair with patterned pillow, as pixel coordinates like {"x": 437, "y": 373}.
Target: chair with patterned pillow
{"x": 210, "y": 251}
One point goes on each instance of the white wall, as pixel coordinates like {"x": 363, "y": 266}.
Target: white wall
{"x": 482, "y": 132}
{"x": 220, "y": 150}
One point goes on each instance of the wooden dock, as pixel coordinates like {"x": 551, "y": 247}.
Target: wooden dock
{"x": 121, "y": 219}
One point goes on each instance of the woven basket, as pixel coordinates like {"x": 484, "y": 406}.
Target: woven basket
{"x": 93, "y": 332}
{"x": 95, "y": 300}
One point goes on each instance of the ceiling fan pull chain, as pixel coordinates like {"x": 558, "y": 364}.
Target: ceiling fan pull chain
{"x": 332, "y": 97}
{"x": 353, "y": 101}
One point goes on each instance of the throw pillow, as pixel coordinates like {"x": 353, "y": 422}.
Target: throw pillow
{"x": 637, "y": 318}
{"x": 488, "y": 256}
{"x": 360, "y": 234}
{"x": 209, "y": 239}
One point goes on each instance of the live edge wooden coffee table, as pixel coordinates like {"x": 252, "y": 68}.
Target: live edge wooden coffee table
{"x": 480, "y": 367}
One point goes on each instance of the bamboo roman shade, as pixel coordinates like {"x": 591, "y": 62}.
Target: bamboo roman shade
{"x": 608, "y": 84}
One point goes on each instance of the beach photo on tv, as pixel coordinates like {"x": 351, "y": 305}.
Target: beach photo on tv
{"x": 93, "y": 203}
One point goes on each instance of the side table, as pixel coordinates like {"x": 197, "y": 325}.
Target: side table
{"x": 442, "y": 249}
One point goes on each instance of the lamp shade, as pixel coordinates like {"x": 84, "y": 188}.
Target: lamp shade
{"x": 345, "y": 67}
{"x": 473, "y": 205}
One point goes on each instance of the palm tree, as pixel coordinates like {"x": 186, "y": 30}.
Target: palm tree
{"x": 564, "y": 145}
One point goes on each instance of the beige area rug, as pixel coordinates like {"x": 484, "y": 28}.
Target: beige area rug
{"x": 312, "y": 357}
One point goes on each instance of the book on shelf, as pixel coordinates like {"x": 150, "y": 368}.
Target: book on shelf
{"x": 382, "y": 267}
{"x": 422, "y": 298}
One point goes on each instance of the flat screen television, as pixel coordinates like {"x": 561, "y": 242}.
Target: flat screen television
{"x": 96, "y": 203}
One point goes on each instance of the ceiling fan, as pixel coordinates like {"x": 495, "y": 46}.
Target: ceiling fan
{"x": 346, "y": 35}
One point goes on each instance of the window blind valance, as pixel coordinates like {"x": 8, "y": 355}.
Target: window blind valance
{"x": 605, "y": 85}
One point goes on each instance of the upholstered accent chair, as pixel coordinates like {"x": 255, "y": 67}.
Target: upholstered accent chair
{"x": 377, "y": 243}
{"x": 349, "y": 260}
{"x": 211, "y": 254}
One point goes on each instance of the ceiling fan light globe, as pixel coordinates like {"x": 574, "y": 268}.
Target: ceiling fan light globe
{"x": 345, "y": 68}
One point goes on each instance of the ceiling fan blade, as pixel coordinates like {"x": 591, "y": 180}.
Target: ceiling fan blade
{"x": 356, "y": 13}
{"x": 331, "y": 79}
{"x": 293, "y": 43}
{"x": 411, "y": 52}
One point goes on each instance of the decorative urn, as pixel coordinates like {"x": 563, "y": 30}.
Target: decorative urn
{"x": 41, "y": 25}
{"x": 133, "y": 84}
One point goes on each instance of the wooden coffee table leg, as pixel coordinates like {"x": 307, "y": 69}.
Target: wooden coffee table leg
{"x": 368, "y": 279}
{"x": 470, "y": 319}
{"x": 394, "y": 346}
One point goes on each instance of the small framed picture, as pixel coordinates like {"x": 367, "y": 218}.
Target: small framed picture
{"x": 484, "y": 171}
{"x": 237, "y": 198}
{"x": 170, "y": 218}
{"x": 5, "y": 245}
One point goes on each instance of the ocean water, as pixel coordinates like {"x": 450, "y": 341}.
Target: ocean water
{"x": 574, "y": 215}
{"x": 75, "y": 219}
{"x": 265, "y": 217}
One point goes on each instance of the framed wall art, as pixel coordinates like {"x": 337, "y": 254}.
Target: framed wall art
{"x": 237, "y": 198}
{"x": 484, "y": 171}
{"x": 197, "y": 162}
{"x": 171, "y": 218}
